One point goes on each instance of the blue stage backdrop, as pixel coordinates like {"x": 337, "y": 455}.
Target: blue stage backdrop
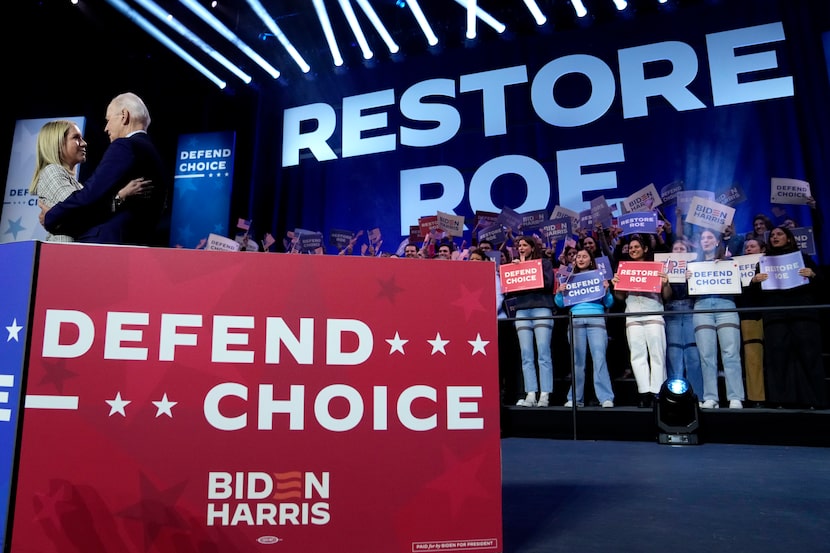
{"x": 716, "y": 96}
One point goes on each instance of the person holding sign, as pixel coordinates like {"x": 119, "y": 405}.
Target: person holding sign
{"x": 646, "y": 334}
{"x": 752, "y": 331}
{"x": 681, "y": 348}
{"x": 509, "y": 382}
{"x": 792, "y": 350}
{"x": 719, "y": 328}
{"x": 534, "y": 314}
{"x": 589, "y": 296}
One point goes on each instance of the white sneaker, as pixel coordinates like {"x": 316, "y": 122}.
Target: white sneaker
{"x": 529, "y": 401}
{"x": 735, "y": 404}
{"x": 569, "y": 403}
{"x": 544, "y": 400}
{"x": 607, "y": 403}
{"x": 709, "y": 404}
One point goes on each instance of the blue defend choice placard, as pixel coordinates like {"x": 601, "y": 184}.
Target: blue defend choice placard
{"x": 202, "y": 189}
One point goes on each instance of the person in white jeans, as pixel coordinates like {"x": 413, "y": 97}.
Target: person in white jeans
{"x": 646, "y": 334}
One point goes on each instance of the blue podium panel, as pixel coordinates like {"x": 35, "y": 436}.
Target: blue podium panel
{"x": 15, "y": 293}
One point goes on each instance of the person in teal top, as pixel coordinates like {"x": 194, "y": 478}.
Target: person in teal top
{"x": 589, "y": 332}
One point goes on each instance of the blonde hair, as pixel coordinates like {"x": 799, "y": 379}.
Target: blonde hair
{"x": 51, "y": 141}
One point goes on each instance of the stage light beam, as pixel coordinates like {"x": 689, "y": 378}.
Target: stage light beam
{"x": 415, "y": 8}
{"x": 494, "y": 23}
{"x": 176, "y": 25}
{"x": 471, "y": 19}
{"x": 357, "y": 31}
{"x": 153, "y": 31}
{"x": 220, "y": 27}
{"x": 266, "y": 18}
{"x": 379, "y": 26}
{"x": 537, "y": 14}
{"x": 328, "y": 32}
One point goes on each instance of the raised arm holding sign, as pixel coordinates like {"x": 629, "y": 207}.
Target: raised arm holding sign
{"x": 789, "y": 191}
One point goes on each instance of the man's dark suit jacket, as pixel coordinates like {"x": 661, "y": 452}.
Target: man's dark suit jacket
{"x": 87, "y": 214}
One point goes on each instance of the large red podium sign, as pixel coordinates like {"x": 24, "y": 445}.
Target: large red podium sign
{"x": 190, "y": 401}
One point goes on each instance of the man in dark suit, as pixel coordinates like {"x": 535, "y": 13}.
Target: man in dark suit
{"x": 98, "y": 213}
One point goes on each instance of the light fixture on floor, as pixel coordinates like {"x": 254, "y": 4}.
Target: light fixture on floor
{"x": 677, "y": 414}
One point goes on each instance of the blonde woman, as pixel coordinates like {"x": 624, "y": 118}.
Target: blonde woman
{"x": 60, "y": 148}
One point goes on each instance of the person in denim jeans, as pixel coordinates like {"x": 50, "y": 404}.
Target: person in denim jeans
{"x": 721, "y": 329}
{"x": 682, "y": 357}
{"x": 534, "y": 327}
{"x": 589, "y": 332}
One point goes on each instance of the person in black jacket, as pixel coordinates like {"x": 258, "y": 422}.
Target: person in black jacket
{"x": 534, "y": 314}
{"x": 793, "y": 367}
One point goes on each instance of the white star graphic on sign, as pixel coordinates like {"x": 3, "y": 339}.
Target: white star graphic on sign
{"x": 164, "y": 406}
{"x": 396, "y": 344}
{"x": 478, "y": 345}
{"x": 14, "y": 331}
{"x": 438, "y": 344}
{"x": 117, "y": 405}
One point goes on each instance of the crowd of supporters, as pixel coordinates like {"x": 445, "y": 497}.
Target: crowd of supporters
{"x": 765, "y": 358}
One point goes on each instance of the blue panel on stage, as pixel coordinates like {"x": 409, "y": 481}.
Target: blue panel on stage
{"x": 202, "y": 193}
{"x": 825, "y": 39}
{"x": 15, "y": 289}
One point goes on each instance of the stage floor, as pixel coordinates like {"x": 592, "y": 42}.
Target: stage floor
{"x": 612, "y": 496}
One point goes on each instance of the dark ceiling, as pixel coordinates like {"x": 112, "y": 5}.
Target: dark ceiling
{"x": 299, "y": 22}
